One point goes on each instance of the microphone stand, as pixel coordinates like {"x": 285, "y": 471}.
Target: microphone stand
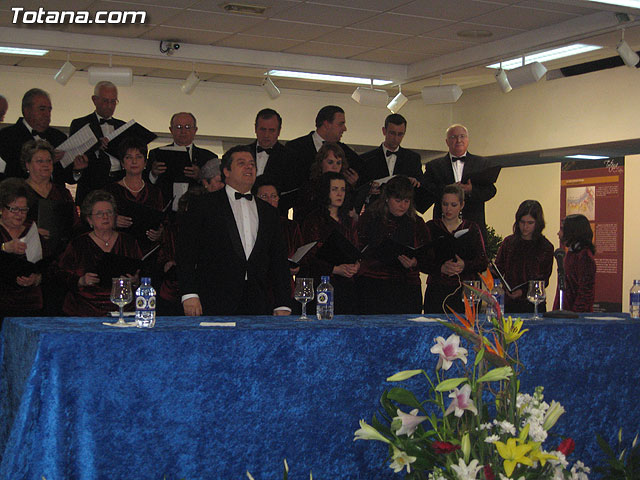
{"x": 559, "y": 255}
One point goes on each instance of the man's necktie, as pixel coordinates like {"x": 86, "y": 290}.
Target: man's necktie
{"x": 239, "y": 195}
{"x": 389, "y": 153}
{"x": 109, "y": 121}
{"x": 455, "y": 159}
{"x": 269, "y": 151}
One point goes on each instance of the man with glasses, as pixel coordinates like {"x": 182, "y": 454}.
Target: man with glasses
{"x": 34, "y": 124}
{"x": 103, "y": 168}
{"x": 176, "y": 167}
{"x": 459, "y": 166}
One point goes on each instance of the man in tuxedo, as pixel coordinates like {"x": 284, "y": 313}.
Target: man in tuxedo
{"x": 330, "y": 125}
{"x": 34, "y": 124}
{"x": 103, "y": 168}
{"x": 231, "y": 255}
{"x": 392, "y": 159}
{"x": 177, "y": 166}
{"x": 273, "y": 159}
{"x": 456, "y": 167}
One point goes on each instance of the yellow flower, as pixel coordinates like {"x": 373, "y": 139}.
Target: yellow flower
{"x": 512, "y": 330}
{"x": 538, "y": 455}
{"x": 513, "y": 454}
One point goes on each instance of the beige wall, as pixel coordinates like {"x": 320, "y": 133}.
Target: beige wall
{"x": 564, "y": 112}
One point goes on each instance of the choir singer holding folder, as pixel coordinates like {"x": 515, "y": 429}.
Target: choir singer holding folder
{"x": 389, "y": 277}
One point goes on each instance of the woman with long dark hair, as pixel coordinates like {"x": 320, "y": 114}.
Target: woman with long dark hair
{"x": 332, "y": 215}
{"x": 579, "y": 265}
{"x": 389, "y": 277}
{"x": 525, "y": 255}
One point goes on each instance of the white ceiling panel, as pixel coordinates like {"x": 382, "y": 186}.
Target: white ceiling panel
{"x": 288, "y": 29}
{"x": 401, "y": 24}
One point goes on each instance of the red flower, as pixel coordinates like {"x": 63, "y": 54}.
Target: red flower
{"x": 444, "y": 447}
{"x": 488, "y": 473}
{"x": 567, "y": 446}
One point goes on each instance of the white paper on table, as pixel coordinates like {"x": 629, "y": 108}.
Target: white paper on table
{"x": 77, "y": 144}
{"x": 217, "y": 324}
{"x": 3, "y": 165}
{"x": 179, "y": 189}
{"x": 606, "y": 318}
{"x": 424, "y": 320}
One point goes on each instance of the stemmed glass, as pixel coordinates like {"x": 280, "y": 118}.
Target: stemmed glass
{"x": 121, "y": 295}
{"x": 303, "y": 294}
{"x": 536, "y": 295}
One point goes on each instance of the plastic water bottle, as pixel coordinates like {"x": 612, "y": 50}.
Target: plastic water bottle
{"x": 324, "y": 299}
{"x": 634, "y": 300}
{"x": 145, "y": 304}
{"x": 497, "y": 292}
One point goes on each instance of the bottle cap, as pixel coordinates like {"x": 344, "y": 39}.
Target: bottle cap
{"x": 325, "y": 278}
{"x": 146, "y": 280}
{"x": 636, "y": 282}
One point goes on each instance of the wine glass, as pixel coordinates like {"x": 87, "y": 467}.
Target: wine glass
{"x": 472, "y": 297}
{"x": 121, "y": 295}
{"x": 303, "y": 294}
{"x": 536, "y": 295}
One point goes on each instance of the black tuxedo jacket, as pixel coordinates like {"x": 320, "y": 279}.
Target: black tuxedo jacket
{"x": 306, "y": 150}
{"x": 199, "y": 156}
{"x": 11, "y": 140}
{"x": 407, "y": 163}
{"x": 97, "y": 174}
{"x": 280, "y": 169}
{"x": 212, "y": 263}
{"x": 439, "y": 173}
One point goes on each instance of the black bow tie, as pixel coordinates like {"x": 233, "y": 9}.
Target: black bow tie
{"x": 239, "y": 195}
{"x": 110, "y": 121}
{"x": 38, "y": 134}
{"x": 389, "y": 153}
{"x": 455, "y": 159}
{"x": 269, "y": 151}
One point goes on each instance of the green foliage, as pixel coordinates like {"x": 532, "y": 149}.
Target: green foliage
{"x": 623, "y": 464}
{"x": 493, "y": 242}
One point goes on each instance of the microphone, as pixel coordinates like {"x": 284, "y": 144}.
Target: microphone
{"x": 559, "y": 255}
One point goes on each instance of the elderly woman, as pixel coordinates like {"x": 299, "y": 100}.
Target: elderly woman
{"x": 140, "y": 203}
{"x": 210, "y": 175}
{"x": 20, "y": 292}
{"x": 330, "y": 158}
{"x": 87, "y": 256}
{"x": 389, "y": 281}
{"x": 458, "y": 254}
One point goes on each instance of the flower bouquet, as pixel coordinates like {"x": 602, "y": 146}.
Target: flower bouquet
{"x": 473, "y": 422}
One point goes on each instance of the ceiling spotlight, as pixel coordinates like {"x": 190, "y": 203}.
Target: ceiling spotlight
{"x": 118, "y": 75}
{"x": 65, "y": 73}
{"x": 397, "y": 102}
{"x": 503, "y": 81}
{"x": 629, "y": 57}
{"x": 270, "y": 88}
{"x": 190, "y": 83}
{"x": 526, "y": 74}
{"x": 441, "y": 94}
{"x": 370, "y": 97}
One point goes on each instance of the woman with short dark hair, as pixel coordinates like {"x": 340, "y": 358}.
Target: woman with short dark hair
{"x": 579, "y": 265}
{"x": 525, "y": 255}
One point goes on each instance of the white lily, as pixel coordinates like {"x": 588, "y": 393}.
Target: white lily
{"x": 449, "y": 350}
{"x": 410, "y": 422}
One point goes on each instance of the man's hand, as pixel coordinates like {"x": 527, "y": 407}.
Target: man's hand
{"x": 192, "y": 172}
{"x": 57, "y": 155}
{"x": 467, "y": 187}
{"x": 80, "y": 162}
{"x": 408, "y": 262}
{"x": 192, "y": 307}
{"x": 123, "y": 221}
{"x": 414, "y": 182}
{"x": 351, "y": 175}
{"x": 104, "y": 141}
{"x": 158, "y": 168}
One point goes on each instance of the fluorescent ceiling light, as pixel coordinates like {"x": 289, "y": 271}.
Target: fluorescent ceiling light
{"x": 587, "y": 157}
{"x": 546, "y": 55}
{"x": 326, "y": 77}
{"x": 622, "y": 3}
{"x": 23, "y": 51}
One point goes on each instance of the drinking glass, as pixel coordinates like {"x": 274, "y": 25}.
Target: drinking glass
{"x": 536, "y": 295}
{"x": 472, "y": 296}
{"x": 303, "y": 294}
{"x": 121, "y": 295}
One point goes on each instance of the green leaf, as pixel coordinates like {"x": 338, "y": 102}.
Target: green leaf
{"x": 404, "y": 375}
{"x": 404, "y": 397}
{"x": 450, "y": 384}
{"x": 496, "y": 374}
{"x": 479, "y": 357}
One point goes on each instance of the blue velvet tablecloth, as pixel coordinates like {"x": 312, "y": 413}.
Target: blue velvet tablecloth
{"x": 80, "y": 400}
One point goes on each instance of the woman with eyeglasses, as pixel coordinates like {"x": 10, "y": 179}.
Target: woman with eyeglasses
{"x": 138, "y": 202}
{"x": 92, "y": 259}
{"x": 20, "y": 291}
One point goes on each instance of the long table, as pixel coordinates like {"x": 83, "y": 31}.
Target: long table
{"x": 81, "y": 400}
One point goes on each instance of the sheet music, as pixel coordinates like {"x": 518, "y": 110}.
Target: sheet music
{"x": 34, "y": 247}
{"x": 179, "y": 189}
{"x": 301, "y": 252}
{"x": 383, "y": 180}
{"x": 3, "y": 165}
{"x": 119, "y": 130}
{"x": 77, "y": 144}
{"x": 173, "y": 148}
{"x": 460, "y": 233}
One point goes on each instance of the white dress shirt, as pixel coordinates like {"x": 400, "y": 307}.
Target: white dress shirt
{"x": 245, "y": 213}
{"x": 391, "y": 159}
{"x": 458, "y": 167}
{"x": 106, "y": 130}
{"x": 317, "y": 140}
